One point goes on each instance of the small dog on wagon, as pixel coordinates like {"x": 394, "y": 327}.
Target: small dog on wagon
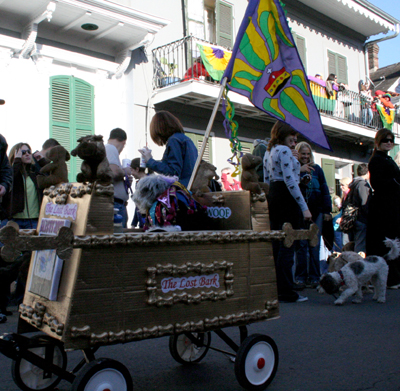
{"x": 357, "y": 273}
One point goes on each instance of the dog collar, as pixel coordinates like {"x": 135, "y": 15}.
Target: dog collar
{"x": 342, "y": 277}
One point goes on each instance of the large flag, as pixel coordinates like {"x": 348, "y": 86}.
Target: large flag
{"x": 387, "y": 115}
{"x": 266, "y": 67}
{"x": 215, "y": 59}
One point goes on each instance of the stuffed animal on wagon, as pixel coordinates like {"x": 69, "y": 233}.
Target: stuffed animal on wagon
{"x": 168, "y": 205}
{"x": 250, "y": 177}
{"x": 57, "y": 169}
{"x": 204, "y": 182}
{"x": 95, "y": 166}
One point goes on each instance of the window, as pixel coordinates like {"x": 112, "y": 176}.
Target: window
{"x": 301, "y": 48}
{"x": 71, "y": 115}
{"x": 337, "y": 64}
{"x": 224, "y": 24}
{"x": 198, "y": 142}
{"x": 211, "y": 20}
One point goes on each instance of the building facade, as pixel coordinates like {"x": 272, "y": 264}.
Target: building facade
{"x": 73, "y": 67}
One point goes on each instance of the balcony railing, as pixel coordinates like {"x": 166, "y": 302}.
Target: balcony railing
{"x": 180, "y": 61}
{"x": 349, "y": 106}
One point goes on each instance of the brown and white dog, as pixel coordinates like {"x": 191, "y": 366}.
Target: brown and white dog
{"x": 357, "y": 273}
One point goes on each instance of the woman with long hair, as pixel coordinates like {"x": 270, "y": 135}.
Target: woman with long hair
{"x": 285, "y": 202}
{"x": 316, "y": 193}
{"x": 23, "y": 202}
{"x": 384, "y": 208}
{"x": 180, "y": 153}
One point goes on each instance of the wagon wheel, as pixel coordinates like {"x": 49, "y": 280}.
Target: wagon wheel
{"x": 185, "y": 351}
{"x": 256, "y": 362}
{"x": 103, "y": 374}
{"x": 28, "y": 376}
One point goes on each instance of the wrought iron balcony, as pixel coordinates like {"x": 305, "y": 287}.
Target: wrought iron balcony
{"x": 180, "y": 61}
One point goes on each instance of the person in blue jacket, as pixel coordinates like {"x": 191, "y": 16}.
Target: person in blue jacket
{"x": 316, "y": 194}
{"x": 180, "y": 153}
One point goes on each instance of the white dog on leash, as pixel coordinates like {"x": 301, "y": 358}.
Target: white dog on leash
{"x": 356, "y": 274}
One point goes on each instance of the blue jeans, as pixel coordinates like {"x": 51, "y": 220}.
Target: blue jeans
{"x": 360, "y": 237}
{"x": 367, "y": 112}
{"x": 123, "y": 212}
{"x": 309, "y": 256}
{"x": 22, "y": 223}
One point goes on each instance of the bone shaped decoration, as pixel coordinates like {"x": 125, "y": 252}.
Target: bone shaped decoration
{"x": 14, "y": 243}
{"x": 301, "y": 234}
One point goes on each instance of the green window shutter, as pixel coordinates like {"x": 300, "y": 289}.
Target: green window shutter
{"x": 84, "y": 116}
{"x": 328, "y": 167}
{"x": 394, "y": 151}
{"x": 224, "y": 24}
{"x": 337, "y": 64}
{"x": 342, "y": 69}
{"x": 71, "y": 115}
{"x": 246, "y": 148}
{"x": 60, "y": 111}
{"x": 331, "y": 63}
{"x": 301, "y": 48}
{"x": 198, "y": 142}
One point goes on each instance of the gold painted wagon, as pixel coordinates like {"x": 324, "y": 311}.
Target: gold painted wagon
{"x": 88, "y": 287}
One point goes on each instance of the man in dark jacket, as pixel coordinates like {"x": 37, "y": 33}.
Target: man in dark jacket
{"x": 5, "y": 168}
{"x": 359, "y": 196}
{"x": 6, "y": 178}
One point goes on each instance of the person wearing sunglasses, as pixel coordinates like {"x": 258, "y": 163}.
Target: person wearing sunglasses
{"x": 23, "y": 202}
{"x": 384, "y": 209}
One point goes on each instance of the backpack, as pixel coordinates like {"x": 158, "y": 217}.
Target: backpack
{"x": 349, "y": 214}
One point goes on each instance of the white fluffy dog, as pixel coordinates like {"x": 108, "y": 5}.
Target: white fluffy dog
{"x": 357, "y": 273}
{"x": 149, "y": 188}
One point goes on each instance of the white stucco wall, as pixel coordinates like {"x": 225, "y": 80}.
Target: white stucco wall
{"x": 25, "y": 88}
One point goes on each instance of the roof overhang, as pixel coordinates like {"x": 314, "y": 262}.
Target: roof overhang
{"x": 58, "y": 23}
{"x": 359, "y": 15}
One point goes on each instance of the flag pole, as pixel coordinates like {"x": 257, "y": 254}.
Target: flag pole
{"x": 207, "y": 134}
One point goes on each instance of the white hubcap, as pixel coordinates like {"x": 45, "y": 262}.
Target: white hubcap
{"x": 107, "y": 380}
{"x": 259, "y": 363}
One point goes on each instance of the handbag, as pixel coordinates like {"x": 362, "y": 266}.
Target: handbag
{"x": 349, "y": 218}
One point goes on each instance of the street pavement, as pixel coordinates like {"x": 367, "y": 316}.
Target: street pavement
{"x": 321, "y": 347}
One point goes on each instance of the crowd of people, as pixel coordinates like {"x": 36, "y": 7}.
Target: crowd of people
{"x": 298, "y": 194}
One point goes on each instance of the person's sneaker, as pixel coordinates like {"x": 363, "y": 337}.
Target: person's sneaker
{"x": 301, "y": 299}
{"x": 394, "y": 286}
{"x": 3, "y": 318}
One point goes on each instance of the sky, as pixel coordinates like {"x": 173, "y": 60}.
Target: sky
{"x": 389, "y": 51}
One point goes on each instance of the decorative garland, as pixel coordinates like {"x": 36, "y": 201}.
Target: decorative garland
{"x": 231, "y": 130}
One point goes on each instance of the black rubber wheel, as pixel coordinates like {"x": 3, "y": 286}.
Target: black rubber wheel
{"x": 103, "y": 374}
{"x": 29, "y": 377}
{"x": 184, "y": 351}
{"x": 256, "y": 362}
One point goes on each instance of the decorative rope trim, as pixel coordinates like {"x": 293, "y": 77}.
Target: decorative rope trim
{"x": 206, "y": 324}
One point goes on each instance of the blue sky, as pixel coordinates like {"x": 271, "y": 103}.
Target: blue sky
{"x": 389, "y": 51}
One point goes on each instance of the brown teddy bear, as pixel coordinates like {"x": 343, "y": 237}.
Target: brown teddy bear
{"x": 95, "y": 165}
{"x": 57, "y": 169}
{"x": 205, "y": 174}
{"x": 250, "y": 177}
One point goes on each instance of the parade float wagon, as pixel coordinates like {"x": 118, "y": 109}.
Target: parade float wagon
{"x": 90, "y": 287}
